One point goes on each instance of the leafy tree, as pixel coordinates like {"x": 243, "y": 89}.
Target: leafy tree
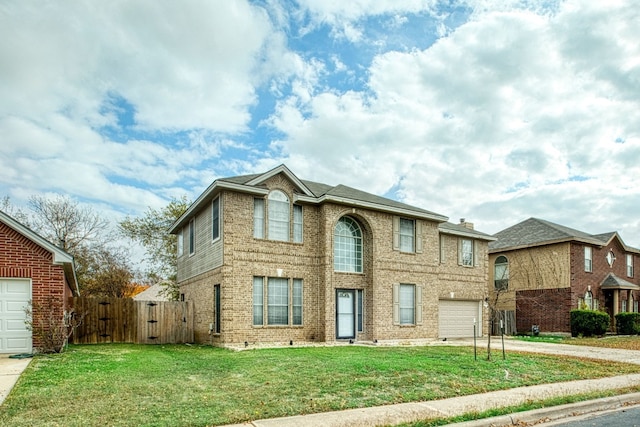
{"x": 151, "y": 231}
{"x": 101, "y": 267}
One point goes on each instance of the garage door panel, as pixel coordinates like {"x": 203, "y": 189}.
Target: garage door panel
{"x": 14, "y": 297}
{"x": 456, "y": 318}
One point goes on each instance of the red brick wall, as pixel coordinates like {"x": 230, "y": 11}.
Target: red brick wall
{"x": 548, "y": 308}
{"x": 22, "y": 258}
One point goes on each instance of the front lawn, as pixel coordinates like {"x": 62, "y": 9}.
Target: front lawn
{"x": 120, "y": 384}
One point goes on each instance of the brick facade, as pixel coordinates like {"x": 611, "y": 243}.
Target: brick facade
{"x": 548, "y": 279}
{"x": 22, "y": 258}
{"x": 245, "y": 257}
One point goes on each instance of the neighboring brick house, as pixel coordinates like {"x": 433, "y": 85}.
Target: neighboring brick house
{"x": 271, "y": 258}
{"x": 31, "y": 269}
{"x": 543, "y": 270}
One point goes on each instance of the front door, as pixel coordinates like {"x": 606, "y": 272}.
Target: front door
{"x": 345, "y": 313}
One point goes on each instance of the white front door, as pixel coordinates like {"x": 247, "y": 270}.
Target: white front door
{"x": 345, "y": 314}
{"x": 14, "y": 298}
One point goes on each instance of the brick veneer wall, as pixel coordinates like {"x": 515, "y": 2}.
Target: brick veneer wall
{"x": 312, "y": 261}
{"x": 20, "y": 258}
{"x": 547, "y": 308}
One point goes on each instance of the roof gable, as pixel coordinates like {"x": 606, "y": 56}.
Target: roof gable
{"x": 537, "y": 232}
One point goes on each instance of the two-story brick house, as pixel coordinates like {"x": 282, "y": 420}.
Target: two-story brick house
{"x": 271, "y": 258}
{"x": 543, "y": 270}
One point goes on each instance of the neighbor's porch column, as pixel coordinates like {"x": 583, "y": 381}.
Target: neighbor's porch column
{"x": 629, "y": 303}
{"x": 616, "y": 302}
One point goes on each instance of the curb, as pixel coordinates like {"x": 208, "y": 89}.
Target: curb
{"x": 555, "y": 413}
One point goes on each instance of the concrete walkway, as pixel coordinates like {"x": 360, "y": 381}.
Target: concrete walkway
{"x": 445, "y": 408}
{"x": 10, "y": 371}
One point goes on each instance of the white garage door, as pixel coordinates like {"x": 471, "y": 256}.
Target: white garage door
{"x": 456, "y": 318}
{"x": 14, "y": 297}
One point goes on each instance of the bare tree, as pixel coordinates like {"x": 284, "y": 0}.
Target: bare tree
{"x": 109, "y": 273}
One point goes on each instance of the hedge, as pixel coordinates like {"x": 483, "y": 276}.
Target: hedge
{"x": 628, "y": 323}
{"x": 589, "y": 322}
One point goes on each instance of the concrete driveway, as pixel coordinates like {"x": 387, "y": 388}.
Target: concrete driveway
{"x": 10, "y": 370}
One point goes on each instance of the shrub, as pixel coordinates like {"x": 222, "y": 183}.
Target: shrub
{"x": 628, "y": 323}
{"x": 50, "y": 327}
{"x": 589, "y": 322}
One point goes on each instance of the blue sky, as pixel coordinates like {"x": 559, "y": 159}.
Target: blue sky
{"x": 494, "y": 111}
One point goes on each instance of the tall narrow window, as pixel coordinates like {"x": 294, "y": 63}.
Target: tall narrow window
{"x": 407, "y": 304}
{"x": 277, "y": 301}
{"x": 629, "y": 265}
{"x": 501, "y": 273}
{"x": 278, "y": 216}
{"x": 181, "y": 243}
{"x": 347, "y": 246}
{"x": 466, "y": 252}
{"x": 217, "y": 305}
{"x": 258, "y": 218}
{"x": 297, "y": 302}
{"x": 258, "y": 301}
{"x": 407, "y": 235}
{"x": 360, "y": 308}
{"x": 192, "y": 236}
{"x": 215, "y": 218}
{"x": 588, "y": 260}
{"x": 297, "y": 223}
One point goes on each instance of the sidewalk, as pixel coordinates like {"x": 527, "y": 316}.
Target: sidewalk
{"x": 10, "y": 371}
{"x": 416, "y": 411}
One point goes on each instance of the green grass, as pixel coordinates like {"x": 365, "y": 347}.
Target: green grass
{"x": 122, "y": 384}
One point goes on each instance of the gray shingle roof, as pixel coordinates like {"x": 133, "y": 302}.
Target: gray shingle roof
{"x": 614, "y": 282}
{"x": 535, "y": 232}
{"x": 461, "y": 230}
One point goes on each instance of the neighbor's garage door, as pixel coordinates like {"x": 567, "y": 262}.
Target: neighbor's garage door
{"x": 14, "y": 297}
{"x": 456, "y": 318}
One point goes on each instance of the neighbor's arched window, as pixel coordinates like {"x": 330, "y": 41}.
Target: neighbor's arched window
{"x": 588, "y": 300}
{"x": 347, "y": 246}
{"x": 501, "y": 273}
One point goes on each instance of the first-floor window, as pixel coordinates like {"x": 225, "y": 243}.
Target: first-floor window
{"x": 407, "y": 304}
{"x": 360, "y": 308}
{"x": 284, "y": 301}
{"x": 217, "y": 305}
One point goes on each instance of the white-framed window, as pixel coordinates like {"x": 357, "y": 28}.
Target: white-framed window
{"x": 258, "y": 218}
{"x": 442, "y": 248}
{"x": 629, "y": 265}
{"x": 180, "y": 243}
{"x": 360, "y": 309}
{"x": 347, "y": 246}
{"x": 272, "y": 218}
{"x": 407, "y": 235}
{"x": 501, "y": 273}
{"x": 465, "y": 252}
{"x": 215, "y": 218}
{"x": 588, "y": 300}
{"x": 407, "y": 304}
{"x": 624, "y": 306}
{"x": 588, "y": 259}
{"x": 284, "y": 301}
{"x": 297, "y": 223}
{"x": 192, "y": 236}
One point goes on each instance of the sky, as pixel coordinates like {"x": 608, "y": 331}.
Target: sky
{"x": 489, "y": 110}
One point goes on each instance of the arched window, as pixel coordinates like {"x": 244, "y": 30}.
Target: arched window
{"x": 588, "y": 300}
{"x": 347, "y": 246}
{"x": 501, "y": 273}
{"x": 278, "y": 216}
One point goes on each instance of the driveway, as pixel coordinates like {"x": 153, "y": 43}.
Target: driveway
{"x": 10, "y": 370}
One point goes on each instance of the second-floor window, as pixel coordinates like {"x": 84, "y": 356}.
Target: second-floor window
{"x": 192, "y": 236}
{"x": 501, "y": 273}
{"x": 181, "y": 242}
{"x": 276, "y": 224}
{"x": 629, "y": 265}
{"x": 465, "y": 252}
{"x": 347, "y": 246}
{"x": 588, "y": 259}
{"x": 215, "y": 218}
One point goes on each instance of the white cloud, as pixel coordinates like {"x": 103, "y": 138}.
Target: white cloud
{"x": 513, "y": 110}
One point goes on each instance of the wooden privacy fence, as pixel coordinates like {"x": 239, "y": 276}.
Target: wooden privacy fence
{"x": 110, "y": 320}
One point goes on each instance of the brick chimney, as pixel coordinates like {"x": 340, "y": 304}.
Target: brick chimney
{"x": 464, "y": 223}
